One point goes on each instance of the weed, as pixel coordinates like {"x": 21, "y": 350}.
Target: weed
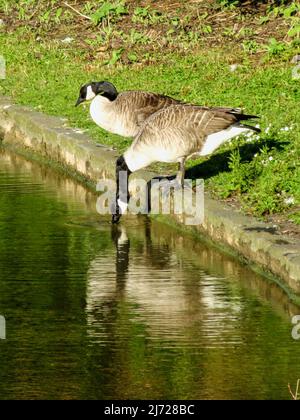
{"x": 147, "y": 16}
{"x": 132, "y": 57}
{"x": 285, "y": 11}
{"x": 58, "y": 15}
{"x": 109, "y": 12}
{"x": 294, "y": 31}
{"x": 295, "y": 217}
{"x": 115, "y": 57}
{"x": 228, "y": 4}
{"x": 140, "y": 14}
{"x": 275, "y": 47}
{"x": 229, "y": 32}
{"x": 250, "y": 46}
{"x": 136, "y": 37}
{"x": 295, "y": 394}
{"x": 262, "y": 20}
{"x": 246, "y": 32}
{"x": 206, "y": 29}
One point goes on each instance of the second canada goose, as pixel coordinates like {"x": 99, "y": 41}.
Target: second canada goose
{"x": 173, "y": 135}
{"x": 121, "y": 113}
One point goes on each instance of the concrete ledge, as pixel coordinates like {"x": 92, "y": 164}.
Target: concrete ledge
{"x": 48, "y": 138}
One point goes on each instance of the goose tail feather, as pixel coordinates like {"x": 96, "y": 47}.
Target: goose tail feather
{"x": 244, "y": 117}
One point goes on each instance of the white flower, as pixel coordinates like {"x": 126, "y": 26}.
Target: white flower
{"x": 265, "y": 162}
{"x": 233, "y": 67}
{"x": 286, "y": 128}
{"x": 67, "y": 40}
{"x": 249, "y": 134}
{"x": 267, "y": 130}
{"x": 289, "y": 201}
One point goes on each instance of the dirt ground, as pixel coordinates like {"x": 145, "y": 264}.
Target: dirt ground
{"x": 242, "y": 21}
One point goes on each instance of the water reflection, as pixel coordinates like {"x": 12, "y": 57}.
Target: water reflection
{"x": 180, "y": 290}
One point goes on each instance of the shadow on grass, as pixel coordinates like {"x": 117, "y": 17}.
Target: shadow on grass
{"x": 220, "y": 162}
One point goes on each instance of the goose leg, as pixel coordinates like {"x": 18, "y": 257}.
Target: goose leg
{"x": 181, "y": 173}
{"x": 177, "y": 184}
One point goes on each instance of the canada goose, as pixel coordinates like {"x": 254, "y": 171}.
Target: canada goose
{"x": 173, "y": 135}
{"x": 124, "y": 113}
{"x": 121, "y": 113}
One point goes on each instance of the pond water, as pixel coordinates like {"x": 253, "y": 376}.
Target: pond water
{"x": 130, "y": 312}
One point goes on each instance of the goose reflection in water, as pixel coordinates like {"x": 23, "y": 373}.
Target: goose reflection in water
{"x": 150, "y": 282}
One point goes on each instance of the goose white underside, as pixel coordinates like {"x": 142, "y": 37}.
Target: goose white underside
{"x": 137, "y": 160}
{"x": 214, "y": 141}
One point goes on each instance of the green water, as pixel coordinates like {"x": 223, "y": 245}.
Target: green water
{"x": 137, "y": 311}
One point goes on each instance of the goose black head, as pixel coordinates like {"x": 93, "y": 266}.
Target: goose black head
{"x": 89, "y": 91}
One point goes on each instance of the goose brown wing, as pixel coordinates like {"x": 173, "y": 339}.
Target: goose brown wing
{"x": 214, "y": 121}
{"x": 189, "y": 118}
{"x": 141, "y": 105}
{"x": 197, "y": 123}
{"x": 182, "y": 128}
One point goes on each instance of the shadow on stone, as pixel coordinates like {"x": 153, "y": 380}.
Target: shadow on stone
{"x": 259, "y": 229}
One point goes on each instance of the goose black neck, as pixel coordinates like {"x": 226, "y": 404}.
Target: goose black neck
{"x": 107, "y": 90}
{"x": 122, "y": 193}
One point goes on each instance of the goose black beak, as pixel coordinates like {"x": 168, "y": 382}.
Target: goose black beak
{"x": 80, "y": 101}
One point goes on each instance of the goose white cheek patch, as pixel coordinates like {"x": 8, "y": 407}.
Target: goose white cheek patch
{"x": 90, "y": 94}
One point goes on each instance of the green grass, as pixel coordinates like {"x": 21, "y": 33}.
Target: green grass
{"x": 263, "y": 173}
